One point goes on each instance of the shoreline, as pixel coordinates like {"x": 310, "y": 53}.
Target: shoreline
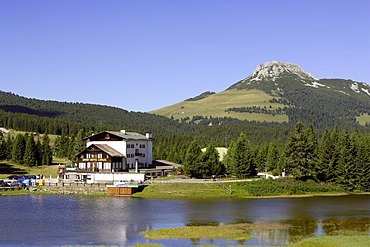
{"x": 256, "y": 197}
{"x": 177, "y": 191}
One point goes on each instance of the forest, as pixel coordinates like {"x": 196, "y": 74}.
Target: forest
{"x": 341, "y": 157}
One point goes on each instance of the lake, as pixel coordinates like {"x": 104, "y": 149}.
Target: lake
{"x": 48, "y": 220}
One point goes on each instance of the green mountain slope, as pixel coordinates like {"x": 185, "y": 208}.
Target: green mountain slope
{"x": 219, "y": 105}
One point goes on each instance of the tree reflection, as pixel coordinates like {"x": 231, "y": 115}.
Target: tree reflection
{"x": 334, "y": 226}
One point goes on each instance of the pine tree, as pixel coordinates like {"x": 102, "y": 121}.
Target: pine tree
{"x": 46, "y": 152}
{"x": 311, "y": 151}
{"x": 192, "y": 160}
{"x": 3, "y": 147}
{"x": 243, "y": 157}
{"x": 300, "y": 152}
{"x": 9, "y": 147}
{"x": 272, "y": 159}
{"x": 19, "y": 147}
{"x": 345, "y": 173}
{"x": 229, "y": 161}
{"x": 210, "y": 162}
{"x": 362, "y": 169}
{"x": 261, "y": 157}
{"x": 30, "y": 154}
{"x": 326, "y": 150}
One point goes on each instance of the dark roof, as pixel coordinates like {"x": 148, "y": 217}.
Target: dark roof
{"x": 128, "y": 135}
{"x": 109, "y": 150}
{"x": 121, "y": 134}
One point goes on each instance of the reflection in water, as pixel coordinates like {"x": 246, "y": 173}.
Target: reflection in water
{"x": 79, "y": 220}
{"x": 337, "y": 226}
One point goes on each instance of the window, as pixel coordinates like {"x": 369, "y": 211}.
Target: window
{"x": 142, "y": 145}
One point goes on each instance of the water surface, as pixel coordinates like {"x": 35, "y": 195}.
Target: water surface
{"x": 36, "y": 220}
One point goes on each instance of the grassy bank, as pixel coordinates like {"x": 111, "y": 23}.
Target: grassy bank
{"x": 255, "y": 188}
{"x": 10, "y": 168}
{"x": 334, "y": 241}
{"x": 14, "y": 192}
{"x": 242, "y": 232}
{"x": 239, "y": 232}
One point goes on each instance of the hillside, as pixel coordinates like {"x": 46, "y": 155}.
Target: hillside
{"x": 282, "y": 92}
{"x": 218, "y": 105}
{"x": 33, "y": 115}
{"x": 21, "y": 113}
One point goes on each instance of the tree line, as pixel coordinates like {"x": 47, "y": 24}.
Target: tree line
{"x": 24, "y": 149}
{"x": 31, "y": 149}
{"x": 341, "y": 157}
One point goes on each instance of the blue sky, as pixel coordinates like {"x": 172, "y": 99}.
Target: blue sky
{"x": 145, "y": 55}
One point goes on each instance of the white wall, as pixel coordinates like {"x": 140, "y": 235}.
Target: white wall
{"x": 109, "y": 177}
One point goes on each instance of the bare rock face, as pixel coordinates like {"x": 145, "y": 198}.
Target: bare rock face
{"x": 272, "y": 70}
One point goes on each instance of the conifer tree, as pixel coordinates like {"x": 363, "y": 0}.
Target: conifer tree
{"x": 345, "y": 172}
{"x": 19, "y": 148}
{"x": 192, "y": 160}
{"x": 326, "y": 149}
{"x": 72, "y": 147}
{"x": 272, "y": 159}
{"x": 362, "y": 178}
{"x": 243, "y": 158}
{"x": 311, "y": 151}
{"x": 30, "y": 154}
{"x": 229, "y": 161}
{"x": 300, "y": 152}
{"x": 9, "y": 147}
{"x": 210, "y": 162}
{"x": 3, "y": 147}
{"x": 261, "y": 156}
{"x": 46, "y": 152}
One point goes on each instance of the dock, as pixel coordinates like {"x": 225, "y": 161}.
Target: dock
{"x": 124, "y": 190}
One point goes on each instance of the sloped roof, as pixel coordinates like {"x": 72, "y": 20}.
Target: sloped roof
{"x": 105, "y": 148}
{"x": 120, "y": 134}
{"x": 109, "y": 150}
{"x": 128, "y": 135}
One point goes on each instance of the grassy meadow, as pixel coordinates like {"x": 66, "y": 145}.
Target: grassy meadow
{"x": 217, "y": 104}
{"x": 238, "y": 189}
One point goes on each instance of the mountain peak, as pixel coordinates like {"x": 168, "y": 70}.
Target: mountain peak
{"x": 272, "y": 70}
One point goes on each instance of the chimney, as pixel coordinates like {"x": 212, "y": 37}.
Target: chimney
{"x": 148, "y": 135}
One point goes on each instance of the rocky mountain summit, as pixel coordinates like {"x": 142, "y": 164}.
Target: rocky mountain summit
{"x": 272, "y": 70}
{"x": 278, "y": 78}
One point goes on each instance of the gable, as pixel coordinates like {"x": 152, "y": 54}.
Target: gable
{"x": 101, "y": 148}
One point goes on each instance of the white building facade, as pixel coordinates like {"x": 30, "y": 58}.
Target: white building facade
{"x": 117, "y": 151}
